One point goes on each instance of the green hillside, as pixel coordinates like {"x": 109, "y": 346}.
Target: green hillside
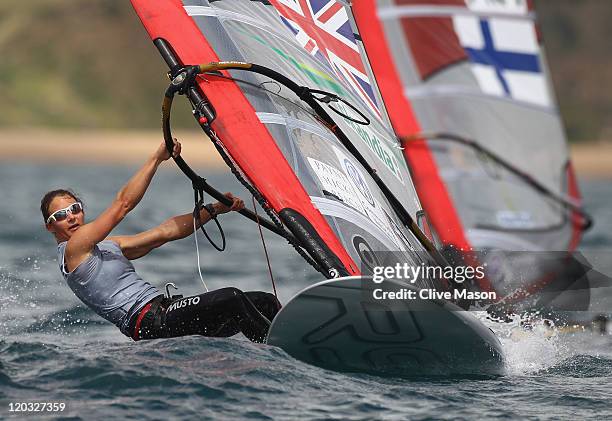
{"x": 75, "y": 63}
{"x": 90, "y": 64}
{"x": 577, "y": 36}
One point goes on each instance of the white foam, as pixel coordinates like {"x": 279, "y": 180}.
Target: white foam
{"x": 528, "y": 351}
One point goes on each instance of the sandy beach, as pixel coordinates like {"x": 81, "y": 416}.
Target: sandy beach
{"x": 591, "y": 160}
{"x": 103, "y": 147}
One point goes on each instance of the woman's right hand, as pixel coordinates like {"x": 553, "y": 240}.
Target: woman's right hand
{"x": 237, "y": 205}
{"x": 161, "y": 154}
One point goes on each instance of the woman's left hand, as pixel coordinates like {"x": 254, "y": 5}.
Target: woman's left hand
{"x": 237, "y": 204}
{"x": 162, "y": 152}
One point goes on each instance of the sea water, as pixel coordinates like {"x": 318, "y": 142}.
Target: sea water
{"x": 53, "y": 349}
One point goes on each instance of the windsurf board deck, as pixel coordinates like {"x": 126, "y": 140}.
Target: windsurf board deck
{"x": 336, "y": 324}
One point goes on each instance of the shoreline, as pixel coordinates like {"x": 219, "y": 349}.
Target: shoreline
{"x": 591, "y": 160}
{"x": 125, "y": 147}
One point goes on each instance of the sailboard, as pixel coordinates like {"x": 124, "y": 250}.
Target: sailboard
{"x": 467, "y": 87}
{"x": 333, "y": 325}
{"x": 300, "y": 125}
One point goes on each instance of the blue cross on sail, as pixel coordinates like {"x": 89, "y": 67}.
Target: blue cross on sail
{"x": 504, "y": 55}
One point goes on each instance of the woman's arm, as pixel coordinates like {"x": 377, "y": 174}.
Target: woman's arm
{"x": 131, "y": 194}
{"x": 86, "y": 237}
{"x": 175, "y": 228}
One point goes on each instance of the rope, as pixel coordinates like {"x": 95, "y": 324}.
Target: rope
{"x": 195, "y": 236}
{"x": 263, "y": 242}
{"x": 199, "y": 204}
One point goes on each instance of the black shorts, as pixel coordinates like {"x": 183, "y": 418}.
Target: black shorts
{"x": 220, "y": 313}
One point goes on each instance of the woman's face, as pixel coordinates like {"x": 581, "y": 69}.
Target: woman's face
{"x": 65, "y": 228}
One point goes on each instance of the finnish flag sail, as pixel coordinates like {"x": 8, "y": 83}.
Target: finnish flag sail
{"x": 475, "y": 69}
{"x": 504, "y": 53}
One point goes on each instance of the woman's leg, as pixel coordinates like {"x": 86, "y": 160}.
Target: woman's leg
{"x": 266, "y": 303}
{"x": 220, "y": 313}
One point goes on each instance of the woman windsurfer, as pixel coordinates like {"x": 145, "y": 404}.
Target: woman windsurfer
{"x": 98, "y": 269}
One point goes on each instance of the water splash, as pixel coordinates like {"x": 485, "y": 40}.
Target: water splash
{"x": 531, "y": 344}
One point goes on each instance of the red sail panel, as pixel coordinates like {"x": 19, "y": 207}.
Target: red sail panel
{"x": 433, "y": 41}
{"x": 434, "y": 44}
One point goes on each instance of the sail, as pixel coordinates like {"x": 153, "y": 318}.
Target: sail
{"x": 344, "y": 188}
{"x": 470, "y": 76}
{"x": 467, "y": 87}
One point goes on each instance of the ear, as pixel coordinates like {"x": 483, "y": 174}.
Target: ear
{"x": 50, "y": 227}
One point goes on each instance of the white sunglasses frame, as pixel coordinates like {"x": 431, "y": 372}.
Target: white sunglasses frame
{"x": 52, "y": 218}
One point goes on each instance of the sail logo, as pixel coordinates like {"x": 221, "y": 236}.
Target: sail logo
{"x": 372, "y": 208}
{"x": 366, "y": 254}
{"x": 515, "y": 219}
{"x": 336, "y": 182}
{"x": 375, "y": 144}
{"x": 358, "y": 181}
{"x": 504, "y": 56}
{"x": 183, "y": 303}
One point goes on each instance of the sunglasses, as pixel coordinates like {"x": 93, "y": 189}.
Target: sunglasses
{"x": 61, "y": 214}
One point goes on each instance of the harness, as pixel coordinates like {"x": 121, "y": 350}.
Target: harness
{"x": 150, "y": 315}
